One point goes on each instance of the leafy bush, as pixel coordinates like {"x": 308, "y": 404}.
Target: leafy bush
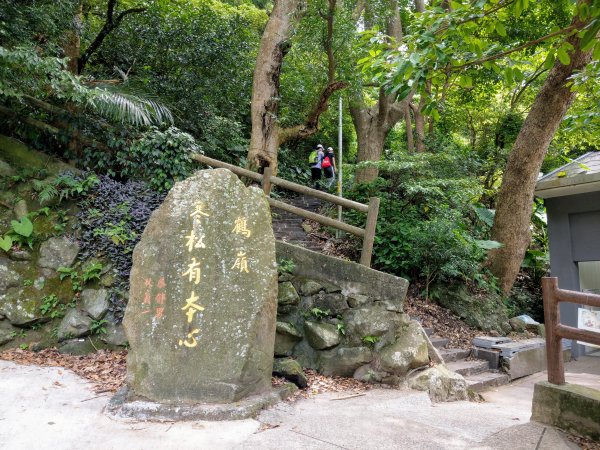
{"x": 427, "y": 227}
{"x": 158, "y": 157}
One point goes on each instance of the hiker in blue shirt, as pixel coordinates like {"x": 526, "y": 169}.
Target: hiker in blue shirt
{"x": 314, "y": 160}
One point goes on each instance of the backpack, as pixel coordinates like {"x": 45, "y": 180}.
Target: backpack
{"x": 326, "y": 162}
{"x": 313, "y": 158}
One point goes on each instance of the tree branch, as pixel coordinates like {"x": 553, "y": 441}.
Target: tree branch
{"x": 476, "y": 16}
{"x": 110, "y": 24}
{"x": 516, "y": 49}
{"x": 312, "y": 122}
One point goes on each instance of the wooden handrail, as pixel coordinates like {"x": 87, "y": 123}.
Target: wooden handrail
{"x": 267, "y": 180}
{"x": 555, "y": 331}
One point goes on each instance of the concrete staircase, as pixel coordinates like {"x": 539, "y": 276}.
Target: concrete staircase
{"x": 479, "y": 374}
{"x": 288, "y": 227}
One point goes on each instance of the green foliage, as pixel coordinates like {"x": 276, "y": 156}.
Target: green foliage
{"x": 119, "y": 233}
{"x": 27, "y": 282}
{"x": 21, "y": 233}
{"x": 285, "y": 265}
{"x": 90, "y": 272}
{"x": 52, "y": 307}
{"x": 65, "y": 186}
{"x": 371, "y": 340}
{"x": 341, "y": 328}
{"x": 98, "y": 327}
{"x": 158, "y": 157}
{"x": 425, "y": 229}
{"x": 318, "y": 313}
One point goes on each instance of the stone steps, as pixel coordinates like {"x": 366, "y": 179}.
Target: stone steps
{"x": 287, "y": 227}
{"x": 439, "y": 342}
{"x": 454, "y": 354}
{"x": 486, "y": 380}
{"x": 468, "y": 367}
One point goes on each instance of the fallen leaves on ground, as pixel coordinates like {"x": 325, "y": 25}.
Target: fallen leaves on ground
{"x": 105, "y": 369}
{"x": 444, "y": 323}
{"x": 584, "y": 443}
{"x": 319, "y": 384}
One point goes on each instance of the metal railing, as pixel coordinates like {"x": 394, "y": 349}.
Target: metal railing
{"x": 555, "y": 331}
{"x": 267, "y": 180}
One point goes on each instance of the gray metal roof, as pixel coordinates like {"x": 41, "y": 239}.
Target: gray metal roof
{"x": 577, "y": 177}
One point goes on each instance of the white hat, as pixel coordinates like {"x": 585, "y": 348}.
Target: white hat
{"x": 319, "y": 146}
{"x": 329, "y": 148}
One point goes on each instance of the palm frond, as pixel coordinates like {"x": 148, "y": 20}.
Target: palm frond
{"x": 130, "y": 108}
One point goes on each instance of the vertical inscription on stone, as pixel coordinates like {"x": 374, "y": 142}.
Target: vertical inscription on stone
{"x": 201, "y": 314}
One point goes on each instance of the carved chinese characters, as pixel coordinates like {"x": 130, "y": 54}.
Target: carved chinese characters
{"x": 201, "y": 314}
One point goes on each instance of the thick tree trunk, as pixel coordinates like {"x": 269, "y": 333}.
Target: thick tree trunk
{"x": 373, "y": 124}
{"x": 371, "y": 138}
{"x": 264, "y": 141}
{"x": 514, "y": 204}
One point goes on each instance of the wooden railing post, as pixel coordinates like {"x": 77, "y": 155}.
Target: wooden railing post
{"x": 367, "y": 248}
{"x": 554, "y": 354}
{"x": 266, "y": 181}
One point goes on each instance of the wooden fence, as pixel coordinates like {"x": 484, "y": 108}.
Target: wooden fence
{"x": 267, "y": 180}
{"x": 555, "y": 331}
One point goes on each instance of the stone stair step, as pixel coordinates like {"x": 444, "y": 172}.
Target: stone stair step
{"x": 486, "y": 380}
{"x": 428, "y": 331}
{"x": 439, "y": 342}
{"x": 454, "y": 354}
{"x": 467, "y": 368}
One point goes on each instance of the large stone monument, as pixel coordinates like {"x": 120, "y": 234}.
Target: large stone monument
{"x": 202, "y": 307}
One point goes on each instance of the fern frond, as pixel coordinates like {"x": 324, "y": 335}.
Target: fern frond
{"x": 130, "y": 108}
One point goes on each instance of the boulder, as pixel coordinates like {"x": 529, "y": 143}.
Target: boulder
{"x": 372, "y": 321}
{"x": 334, "y": 303}
{"x": 409, "y": 351}
{"x": 358, "y": 300}
{"x": 441, "y": 384}
{"x": 202, "y": 304}
{"x": 369, "y": 374}
{"x": 19, "y": 254}
{"x": 8, "y": 277}
{"x": 321, "y": 336}
{"x": 343, "y": 361}
{"x": 286, "y": 337}
{"x": 76, "y": 323}
{"x": 331, "y": 288}
{"x": 308, "y": 287}
{"x": 290, "y": 370}
{"x": 95, "y": 302}
{"x": 517, "y": 324}
{"x": 5, "y": 169}
{"x": 81, "y": 346}
{"x": 58, "y": 252}
{"x": 20, "y": 308}
{"x": 488, "y": 313}
{"x": 306, "y": 356}
{"x": 115, "y": 335}
{"x": 287, "y": 297}
{"x": 7, "y": 332}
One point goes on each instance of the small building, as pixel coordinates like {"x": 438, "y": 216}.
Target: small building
{"x": 571, "y": 194}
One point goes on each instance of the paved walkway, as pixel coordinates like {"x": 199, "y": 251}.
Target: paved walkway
{"x": 51, "y": 408}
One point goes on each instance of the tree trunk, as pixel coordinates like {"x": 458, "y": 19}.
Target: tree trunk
{"x": 410, "y": 143}
{"x": 371, "y": 138}
{"x": 419, "y": 127}
{"x": 72, "y": 47}
{"x": 514, "y": 204}
{"x": 264, "y": 141}
{"x": 373, "y": 124}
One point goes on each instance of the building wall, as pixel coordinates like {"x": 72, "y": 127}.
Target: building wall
{"x": 574, "y": 235}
